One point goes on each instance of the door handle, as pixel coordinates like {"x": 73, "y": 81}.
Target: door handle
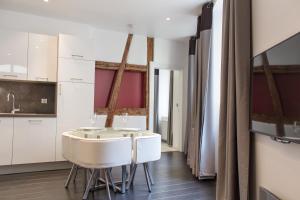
{"x": 59, "y": 89}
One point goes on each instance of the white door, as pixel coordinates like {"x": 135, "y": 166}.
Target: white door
{"x": 75, "y": 106}
{"x": 72, "y": 70}
{"x": 42, "y": 57}
{"x": 13, "y": 55}
{"x": 34, "y": 140}
{"x": 75, "y": 47}
{"x": 6, "y": 130}
{"x": 177, "y": 110}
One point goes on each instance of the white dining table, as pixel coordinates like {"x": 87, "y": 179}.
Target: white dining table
{"x": 108, "y": 133}
{"x": 99, "y": 134}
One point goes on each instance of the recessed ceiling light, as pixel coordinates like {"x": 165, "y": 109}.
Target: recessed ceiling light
{"x": 168, "y": 19}
{"x": 46, "y": 0}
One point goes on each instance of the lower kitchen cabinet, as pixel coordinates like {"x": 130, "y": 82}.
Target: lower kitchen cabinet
{"x": 34, "y": 140}
{"x": 6, "y": 127}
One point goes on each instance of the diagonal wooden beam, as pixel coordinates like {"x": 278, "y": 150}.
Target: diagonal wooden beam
{"x": 117, "y": 84}
{"x": 150, "y": 57}
{"x": 277, "y": 105}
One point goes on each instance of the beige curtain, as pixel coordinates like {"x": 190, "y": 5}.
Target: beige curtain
{"x": 234, "y": 138}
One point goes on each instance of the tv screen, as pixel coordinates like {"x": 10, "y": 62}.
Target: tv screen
{"x": 276, "y": 91}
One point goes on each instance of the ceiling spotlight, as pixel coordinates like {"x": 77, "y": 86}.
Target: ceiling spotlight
{"x": 168, "y": 19}
{"x": 46, "y": 0}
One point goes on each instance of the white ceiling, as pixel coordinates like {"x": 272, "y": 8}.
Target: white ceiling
{"x": 146, "y": 16}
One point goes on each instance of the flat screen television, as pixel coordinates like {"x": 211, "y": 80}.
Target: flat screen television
{"x": 276, "y": 91}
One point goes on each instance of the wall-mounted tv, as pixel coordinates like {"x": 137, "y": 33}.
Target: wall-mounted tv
{"x": 276, "y": 91}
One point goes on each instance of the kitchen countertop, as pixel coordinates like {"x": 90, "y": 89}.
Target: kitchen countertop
{"x": 26, "y": 115}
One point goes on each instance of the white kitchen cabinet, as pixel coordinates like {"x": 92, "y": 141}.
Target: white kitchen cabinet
{"x": 42, "y": 57}
{"x": 13, "y": 55}
{"x": 72, "y": 70}
{"x": 75, "y": 47}
{"x": 6, "y": 141}
{"x": 75, "y": 106}
{"x": 34, "y": 140}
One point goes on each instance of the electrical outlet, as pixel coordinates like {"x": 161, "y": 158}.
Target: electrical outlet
{"x": 44, "y": 101}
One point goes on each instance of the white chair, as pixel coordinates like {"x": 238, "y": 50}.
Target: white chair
{"x": 132, "y": 121}
{"x": 145, "y": 149}
{"x": 100, "y": 123}
{"x": 96, "y": 154}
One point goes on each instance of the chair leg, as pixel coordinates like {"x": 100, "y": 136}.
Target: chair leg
{"x": 107, "y": 183}
{"x": 111, "y": 180}
{"x": 131, "y": 177}
{"x": 76, "y": 172}
{"x": 89, "y": 184}
{"x": 149, "y": 174}
{"x": 124, "y": 171}
{"x": 70, "y": 175}
{"x": 147, "y": 177}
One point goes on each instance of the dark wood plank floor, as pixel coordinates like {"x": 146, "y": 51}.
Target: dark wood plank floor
{"x": 173, "y": 180}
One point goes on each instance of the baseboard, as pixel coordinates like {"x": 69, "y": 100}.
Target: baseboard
{"x": 15, "y": 169}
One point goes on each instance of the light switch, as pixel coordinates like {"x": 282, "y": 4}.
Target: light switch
{"x": 44, "y": 101}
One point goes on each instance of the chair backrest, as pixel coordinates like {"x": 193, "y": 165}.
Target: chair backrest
{"x": 131, "y": 122}
{"x": 146, "y": 148}
{"x": 98, "y": 153}
{"x": 100, "y": 121}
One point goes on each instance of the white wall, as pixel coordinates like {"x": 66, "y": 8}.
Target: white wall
{"x": 273, "y": 22}
{"x": 276, "y": 166}
{"x": 170, "y": 55}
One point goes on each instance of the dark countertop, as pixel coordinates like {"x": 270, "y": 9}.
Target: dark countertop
{"x": 26, "y": 115}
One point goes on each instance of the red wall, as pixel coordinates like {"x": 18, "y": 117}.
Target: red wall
{"x": 103, "y": 83}
{"x": 131, "y": 91}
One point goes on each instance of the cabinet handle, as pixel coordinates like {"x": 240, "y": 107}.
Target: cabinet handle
{"x": 35, "y": 121}
{"x": 79, "y": 56}
{"x": 76, "y": 79}
{"x": 8, "y": 75}
{"x": 59, "y": 89}
{"x": 41, "y": 78}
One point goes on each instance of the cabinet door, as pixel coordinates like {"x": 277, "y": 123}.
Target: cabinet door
{"x": 75, "y": 105}
{"x": 13, "y": 55}
{"x": 6, "y": 131}
{"x": 71, "y": 70}
{"x": 71, "y": 46}
{"x": 42, "y": 57}
{"x": 34, "y": 140}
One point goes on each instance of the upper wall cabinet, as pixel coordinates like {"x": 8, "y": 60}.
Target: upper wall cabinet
{"x": 71, "y": 70}
{"x": 42, "y": 57}
{"x": 13, "y": 55}
{"x": 75, "y": 47}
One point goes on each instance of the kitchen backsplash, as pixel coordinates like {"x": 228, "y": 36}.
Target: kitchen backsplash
{"x": 29, "y": 95}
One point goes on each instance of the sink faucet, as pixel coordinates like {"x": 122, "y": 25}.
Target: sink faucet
{"x": 14, "y": 109}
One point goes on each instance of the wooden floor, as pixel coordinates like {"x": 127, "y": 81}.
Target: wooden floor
{"x": 173, "y": 180}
